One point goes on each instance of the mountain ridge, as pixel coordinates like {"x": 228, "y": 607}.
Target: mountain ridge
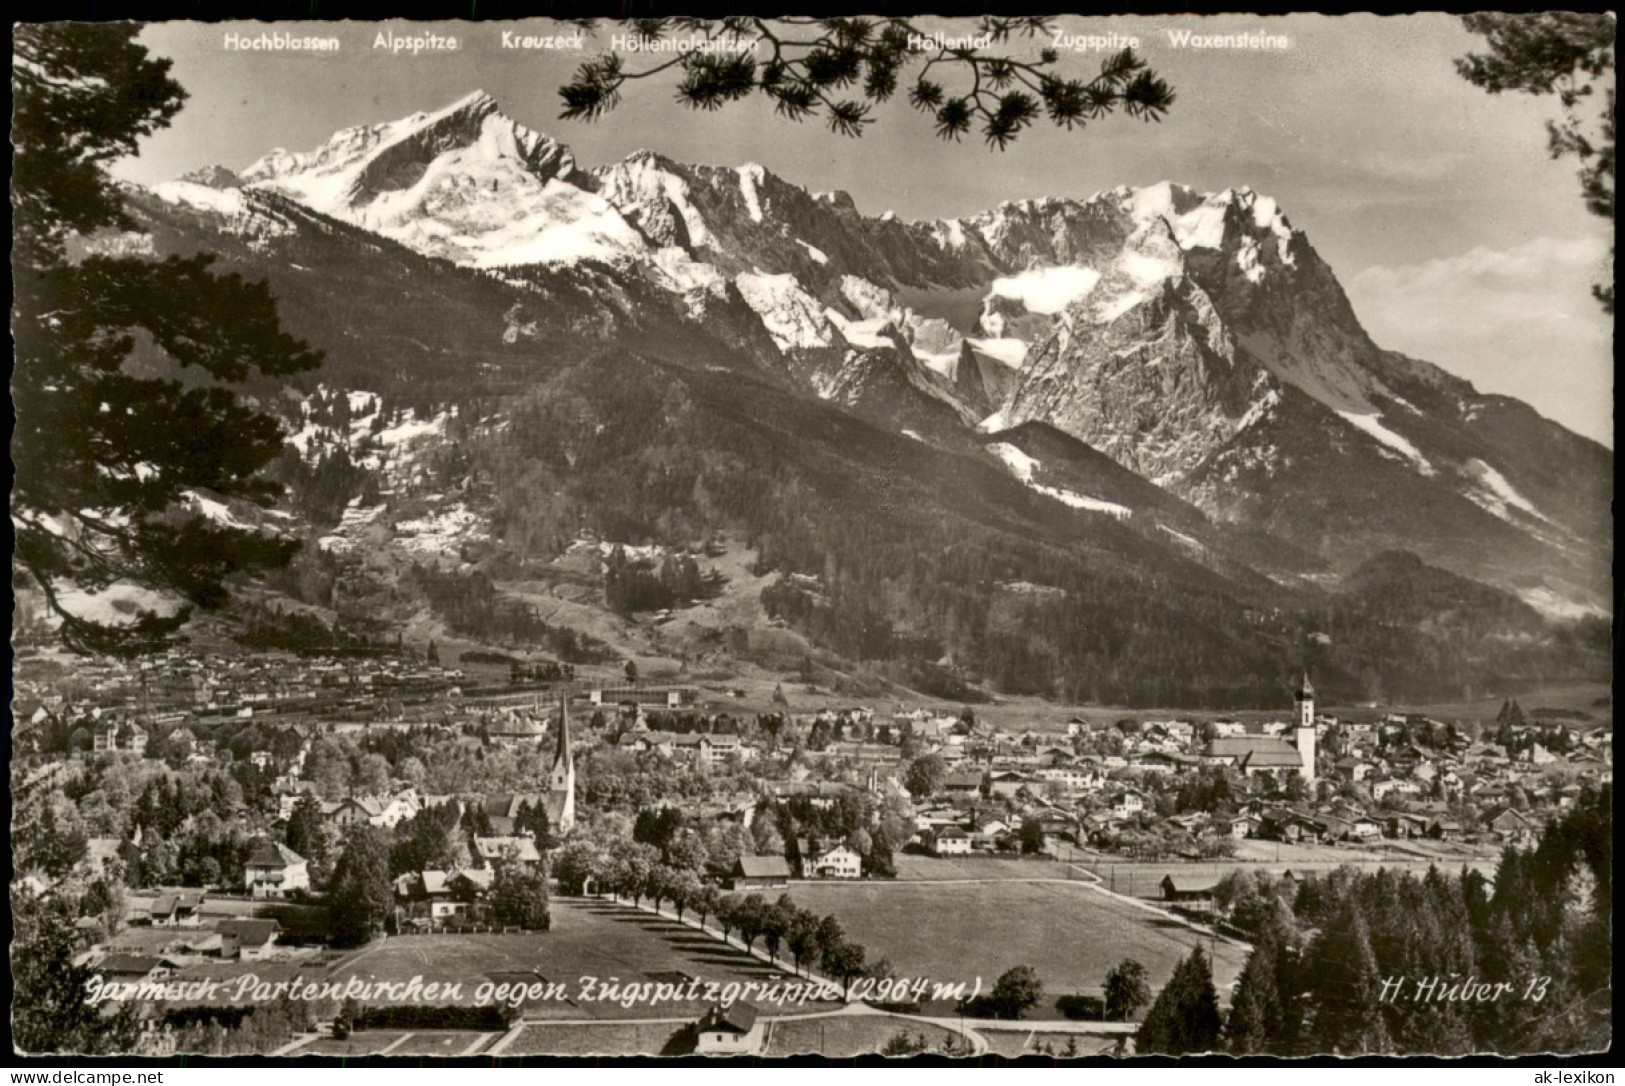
{"x": 1169, "y": 329}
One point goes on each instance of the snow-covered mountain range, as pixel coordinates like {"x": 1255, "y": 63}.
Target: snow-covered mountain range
{"x": 1195, "y": 339}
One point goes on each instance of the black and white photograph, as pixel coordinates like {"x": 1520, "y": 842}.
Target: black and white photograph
{"x": 989, "y": 539}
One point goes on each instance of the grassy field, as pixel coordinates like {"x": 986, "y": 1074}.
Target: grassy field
{"x": 842, "y": 1036}
{"x": 1258, "y": 850}
{"x": 935, "y": 869}
{"x": 1580, "y": 696}
{"x": 952, "y": 932}
{"x": 598, "y": 1039}
{"x": 589, "y": 938}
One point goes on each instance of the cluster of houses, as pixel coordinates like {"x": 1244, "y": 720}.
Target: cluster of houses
{"x": 1287, "y": 785}
{"x": 690, "y": 748}
{"x": 1309, "y": 778}
{"x": 122, "y": 702}
{"x": 171, "y": 930}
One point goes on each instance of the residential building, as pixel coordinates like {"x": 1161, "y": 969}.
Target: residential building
{"x": 273, "y": 870}
{"x": 733, "y": 1029}
{"x": 183, "y": 909}
{"x": 840, "y": 862}
{"x": 248, "y": 940}
{"x": 760, "y": 871}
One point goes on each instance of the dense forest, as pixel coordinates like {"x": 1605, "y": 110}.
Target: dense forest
{"x": 923, "y": 558}
{"x": 469, "y": 603}
{"x": 1446, "y": 964}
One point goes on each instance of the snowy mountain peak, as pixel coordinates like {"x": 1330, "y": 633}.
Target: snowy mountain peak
{"x": 355, "y": 165}
{"x": 476, "y": 100}
{"x": 643, "y": 156}
{"x": 1163, "y": 200}
{"x": 213, "y": 176}
{"x": 464, "y": 182}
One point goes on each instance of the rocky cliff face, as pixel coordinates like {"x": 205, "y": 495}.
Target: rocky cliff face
{"x": 1195, "y": 339}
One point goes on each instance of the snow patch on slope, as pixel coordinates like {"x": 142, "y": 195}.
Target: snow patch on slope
{"x": 1190, "y": 542}
{"x": 227, "y": 202}
{"x": 869, "y": 299}
{"x": 949, "y": 234}
{"x": 791, "y": 316}
{"x": 1020, "y": 464}
{"x": 564, "y": 226}
{"x": 1372, "y": 426}
{"x": 216, "y": 511}
{"x": 1202, "y": 228}
{"x": 411, "y": 428}
{"x": 1108, "y": 311}
{"x": 1552, "y": 605}
{"x": 1495, "y": 494}
{"x": 342, "y": 539}
{"x": 750, "y": 180}
{"x": 943, "y": 365}
{"x": 1023, "y": 466}
{"x": 677, "y": 271}
{"x": 865, "y": 333}
{"x": 1259, "y": 409}
{"x": 999, "y": 420}
{"x": 116, "y": 605}
{"x": 1047, "y": 290}
{"x": 1150, "y": 268}
{"x": 439, "y": 533}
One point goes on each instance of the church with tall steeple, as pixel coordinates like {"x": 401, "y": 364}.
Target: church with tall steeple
{"x": 1304, "y": 728}
{"x": 1254, "y": 754}
{"x": 561, "y": 785}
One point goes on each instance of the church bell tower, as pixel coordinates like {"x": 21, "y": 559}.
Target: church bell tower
{"x": 1304, "y": 732}
{"x": 562, "y": 783}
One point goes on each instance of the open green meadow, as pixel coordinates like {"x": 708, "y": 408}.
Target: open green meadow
{"x": 961, "y": 931}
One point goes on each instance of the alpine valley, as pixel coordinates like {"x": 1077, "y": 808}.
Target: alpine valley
{"x": 1133, "y": 449}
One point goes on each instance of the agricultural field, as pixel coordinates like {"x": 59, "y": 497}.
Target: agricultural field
{"x": 1071, "y": 934}
{"x": 589, "y": 938}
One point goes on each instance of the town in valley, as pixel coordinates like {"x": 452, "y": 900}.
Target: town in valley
{"x": 813, "y": 537}
{"x": 217, "y": 793}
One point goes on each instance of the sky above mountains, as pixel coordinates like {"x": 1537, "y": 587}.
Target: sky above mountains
{"x": 1456, "y": 237}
